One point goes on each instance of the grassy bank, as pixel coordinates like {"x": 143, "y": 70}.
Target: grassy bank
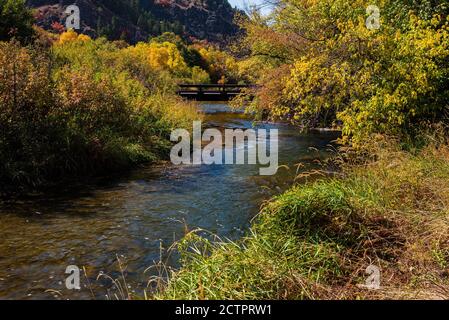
{"x": 316, "y": 240}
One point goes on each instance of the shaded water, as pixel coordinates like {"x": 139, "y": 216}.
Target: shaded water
{"x": 132, "y": 216}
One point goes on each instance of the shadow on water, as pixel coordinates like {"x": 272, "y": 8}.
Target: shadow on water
{"x": 133, "y": 215}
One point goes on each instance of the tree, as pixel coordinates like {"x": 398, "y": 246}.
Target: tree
{"x": 322, "y": 66}
{"x": 16, "y": 20}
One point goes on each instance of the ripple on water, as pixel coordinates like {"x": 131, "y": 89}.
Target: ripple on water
{"x": 134, "y": 214}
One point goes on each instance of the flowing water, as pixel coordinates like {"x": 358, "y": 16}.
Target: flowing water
{"x": 133, "y": 216}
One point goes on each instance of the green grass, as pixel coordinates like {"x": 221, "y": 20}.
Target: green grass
{"x": 316, "y": 240}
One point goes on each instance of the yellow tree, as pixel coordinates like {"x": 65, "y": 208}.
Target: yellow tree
{"x": 329, "y": 67}
{"x": 159, "y": 56}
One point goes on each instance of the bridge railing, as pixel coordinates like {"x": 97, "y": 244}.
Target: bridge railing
{"x": 211, "y": 91}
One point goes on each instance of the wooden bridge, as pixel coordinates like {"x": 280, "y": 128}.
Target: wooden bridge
{"x": 211, "y": 92}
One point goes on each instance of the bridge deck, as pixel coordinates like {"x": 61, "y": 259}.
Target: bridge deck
{"x": 210, "y": 92}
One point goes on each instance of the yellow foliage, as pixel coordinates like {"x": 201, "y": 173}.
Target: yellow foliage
{"x": 344, "y": 74}
{"x": 220, "y": 63}
{"x": 84, "y": 37}
{"x": 159, "y": 56}
{"x": 71, "y": 36}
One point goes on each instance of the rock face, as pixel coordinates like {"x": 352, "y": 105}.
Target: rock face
{"x": 135, "y": 20}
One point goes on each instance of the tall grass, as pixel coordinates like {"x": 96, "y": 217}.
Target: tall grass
{"x": 316, "y": 240}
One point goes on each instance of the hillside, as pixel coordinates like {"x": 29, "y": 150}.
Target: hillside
{"x": 135, "y": 20}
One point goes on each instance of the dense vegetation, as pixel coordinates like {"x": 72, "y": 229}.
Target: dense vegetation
{"x": 15, "y": 20}
{"x": 84, "y": 107}
{"x": 321, "y": 66}
{"x": 387, "y": 205}
{"x": 71, "y": 105}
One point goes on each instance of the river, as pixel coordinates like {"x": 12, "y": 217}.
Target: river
{"x": 132, "y": 216}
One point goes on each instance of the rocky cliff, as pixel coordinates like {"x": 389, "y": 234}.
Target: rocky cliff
{"x": 136, "y": 20}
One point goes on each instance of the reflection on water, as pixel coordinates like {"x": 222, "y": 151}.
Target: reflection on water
{"x": 132, "y": 216}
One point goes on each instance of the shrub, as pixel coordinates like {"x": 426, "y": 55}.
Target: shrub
{"x": 83, "y": 107}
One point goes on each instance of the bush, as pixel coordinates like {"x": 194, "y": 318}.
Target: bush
{"x": 83, "y": 107}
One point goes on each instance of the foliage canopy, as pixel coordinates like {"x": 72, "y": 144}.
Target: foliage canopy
{"x": 324, "y": 67}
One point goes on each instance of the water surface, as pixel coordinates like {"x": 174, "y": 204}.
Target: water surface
{"x": 132, "y": 216}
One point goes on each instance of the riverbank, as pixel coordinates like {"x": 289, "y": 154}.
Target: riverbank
{"x": 136, "y": 214}
{"x": 316, "y": 240}
{"x": 81, "y": 107}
